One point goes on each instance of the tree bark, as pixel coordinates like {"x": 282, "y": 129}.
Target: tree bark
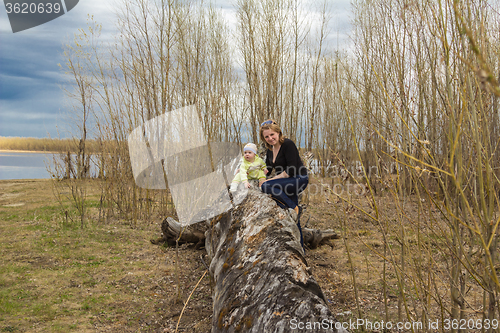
{"x": 262, "y": 280}
{"x": 195, "y": 234}
{"x": 171, "y": 229}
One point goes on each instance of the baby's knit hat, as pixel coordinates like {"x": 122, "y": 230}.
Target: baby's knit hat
{"x": 251, "y": 147}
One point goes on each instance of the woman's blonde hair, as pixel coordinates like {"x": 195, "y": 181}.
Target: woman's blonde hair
{"x": 273, "y": 126}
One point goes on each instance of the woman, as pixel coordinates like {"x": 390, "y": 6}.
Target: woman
{"x": 291, "y": 176}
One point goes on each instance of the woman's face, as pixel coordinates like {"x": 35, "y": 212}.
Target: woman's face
{"x": 271, "y": 137}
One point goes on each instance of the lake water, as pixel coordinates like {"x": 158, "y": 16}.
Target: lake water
{"x": 14, "y": 165}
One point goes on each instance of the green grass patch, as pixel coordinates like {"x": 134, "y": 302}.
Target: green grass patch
{"x": 58, "y": 277}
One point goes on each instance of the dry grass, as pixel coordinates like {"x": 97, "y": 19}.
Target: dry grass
{"x": 45, "y": 144}
{"x": 416, "y": 279}
{"x": 56, "y": 276}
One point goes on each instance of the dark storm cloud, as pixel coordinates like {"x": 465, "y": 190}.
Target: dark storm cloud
{"x": 31, "y": 100}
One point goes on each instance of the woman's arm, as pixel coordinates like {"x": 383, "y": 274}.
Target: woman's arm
{"x": 267, "y": 162}
{"x": 293, "y": 162}
{"x": 281, "y": 175}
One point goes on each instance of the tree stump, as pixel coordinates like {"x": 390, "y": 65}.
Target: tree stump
{"x": 262, "y": 280}
{"x": 171, "y": 229}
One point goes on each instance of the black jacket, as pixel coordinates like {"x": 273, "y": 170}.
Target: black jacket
{"x": 288, "y": 159}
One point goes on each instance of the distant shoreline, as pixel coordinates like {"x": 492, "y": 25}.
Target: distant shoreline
{"x": 28, "y": 151}
{"x": 51, "y": 146}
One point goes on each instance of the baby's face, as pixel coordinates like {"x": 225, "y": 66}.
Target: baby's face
{"x": 249, "y": 156}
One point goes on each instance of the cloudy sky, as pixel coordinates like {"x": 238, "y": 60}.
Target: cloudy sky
{"x": 32, "y": 103}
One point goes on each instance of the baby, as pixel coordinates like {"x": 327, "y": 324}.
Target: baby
{"x": 252, "y": 167}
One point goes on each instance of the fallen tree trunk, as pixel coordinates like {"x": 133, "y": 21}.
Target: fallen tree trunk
{"x": 171, "y": 230}
{"x": 262, "y": 280}
{"x": 315, "y": 237}
{"x": 195, "y": 234}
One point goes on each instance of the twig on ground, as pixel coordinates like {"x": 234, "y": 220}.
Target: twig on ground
{"x": 187, "y": 301}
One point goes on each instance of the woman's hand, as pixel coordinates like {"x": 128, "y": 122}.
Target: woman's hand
{"x": 247, "y": 185}
{"x": 281, "y": 175}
